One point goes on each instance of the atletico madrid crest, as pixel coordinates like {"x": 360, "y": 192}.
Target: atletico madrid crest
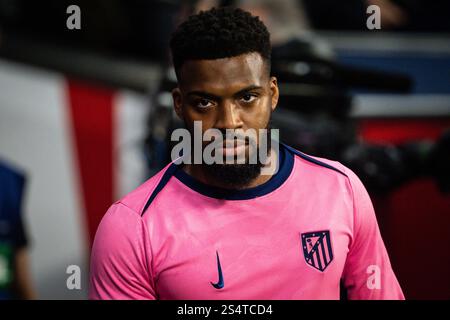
{"x": 317, "y": 249}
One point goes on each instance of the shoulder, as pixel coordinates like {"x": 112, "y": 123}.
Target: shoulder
{"x": 322, "y": 164}
{"x": 137, "y": 199}
{"x": 126, "y": 213}
{"x": 332, "y": 177}
{"x": 327, "y": 170}
{"x": 124, "y": 218}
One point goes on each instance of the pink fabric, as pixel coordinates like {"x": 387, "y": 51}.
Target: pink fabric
{"x": 170, "y": 252}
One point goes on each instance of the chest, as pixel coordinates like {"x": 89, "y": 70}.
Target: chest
{"x": 288, "y": 250}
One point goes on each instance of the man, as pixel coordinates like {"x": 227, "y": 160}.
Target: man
{"x": 228, "y": 231}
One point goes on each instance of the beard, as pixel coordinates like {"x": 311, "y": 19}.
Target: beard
{"x": 233, "y": 176}
{"x": 239, "y": 175}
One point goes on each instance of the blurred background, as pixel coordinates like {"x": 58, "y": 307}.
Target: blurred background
{"x": 86, "y": 116}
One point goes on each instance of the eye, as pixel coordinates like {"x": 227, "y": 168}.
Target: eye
{"x": 203, "y": 103}
{"x": 248, "y": 97}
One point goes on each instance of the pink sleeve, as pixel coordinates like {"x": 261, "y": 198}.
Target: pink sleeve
{"x": 368, "y": 274}
{"x": 120, "y": 265}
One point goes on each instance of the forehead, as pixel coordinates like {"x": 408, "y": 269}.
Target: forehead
{"x": 223, "y": 75}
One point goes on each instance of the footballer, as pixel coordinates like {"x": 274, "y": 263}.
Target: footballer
{"x": 226, "y": 230}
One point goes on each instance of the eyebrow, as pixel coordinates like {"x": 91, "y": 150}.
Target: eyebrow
{"x": 211, "y": 96}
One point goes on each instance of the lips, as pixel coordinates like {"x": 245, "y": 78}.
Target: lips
{"x": 228, "y": 143}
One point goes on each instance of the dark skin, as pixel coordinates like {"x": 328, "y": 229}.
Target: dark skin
{"x": 229, "y": 93}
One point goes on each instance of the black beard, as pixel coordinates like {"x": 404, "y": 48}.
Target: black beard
{"x": 237, "y": 176}
{"x": 233, "y": 176}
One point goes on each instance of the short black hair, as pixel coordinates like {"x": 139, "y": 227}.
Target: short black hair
{"x": 222, "y": 32}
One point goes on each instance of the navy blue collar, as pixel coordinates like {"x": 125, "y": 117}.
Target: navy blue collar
{"x": 286, "y": 160}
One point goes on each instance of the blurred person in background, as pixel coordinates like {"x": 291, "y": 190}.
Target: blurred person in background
{"x": 15, "y": 281}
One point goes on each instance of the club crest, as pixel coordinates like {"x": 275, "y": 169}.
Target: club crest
{"x": 317, "y": 249}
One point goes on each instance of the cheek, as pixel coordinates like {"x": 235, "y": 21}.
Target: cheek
{"x": 258, "y": 116}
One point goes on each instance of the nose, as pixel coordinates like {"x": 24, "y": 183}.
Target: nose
{"x": 228, "y": 117}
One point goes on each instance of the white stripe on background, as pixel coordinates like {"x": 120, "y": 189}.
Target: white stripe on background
{"x": 131, "y": 112}
{"x": 401, "y": 105}
{"x": 35, "y": 136}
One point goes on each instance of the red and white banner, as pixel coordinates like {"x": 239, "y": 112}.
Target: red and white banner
{"x": 81, "y": 148}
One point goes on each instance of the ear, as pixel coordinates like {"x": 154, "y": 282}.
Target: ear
{"x": 274, "y": 92}
{"x": 177, "y": 102}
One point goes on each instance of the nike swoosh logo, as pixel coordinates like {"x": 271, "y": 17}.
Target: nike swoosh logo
{"x": 220, "y": 284}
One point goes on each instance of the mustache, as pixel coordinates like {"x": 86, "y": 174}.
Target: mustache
{"x": 241, "y": 135}
{"x": 233, "y": 139}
